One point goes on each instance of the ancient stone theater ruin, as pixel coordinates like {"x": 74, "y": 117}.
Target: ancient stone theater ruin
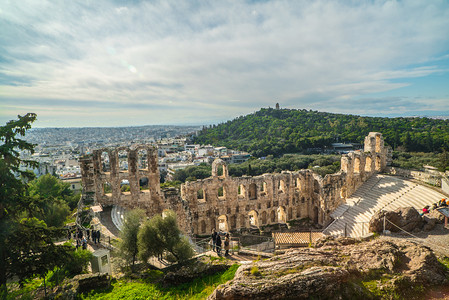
{"x": 222, "y": 201}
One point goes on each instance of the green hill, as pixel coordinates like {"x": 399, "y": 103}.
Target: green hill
{"x": 279, "y": 131}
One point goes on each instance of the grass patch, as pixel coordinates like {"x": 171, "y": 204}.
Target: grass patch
{"x": 255, "y": 271}
{"x": 199, "y": 288}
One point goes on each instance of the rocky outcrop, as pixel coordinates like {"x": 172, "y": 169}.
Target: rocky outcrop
{"x": 335, "y": 271}
{"x": 80, "y": 284}
{"x": 407, "y": 218}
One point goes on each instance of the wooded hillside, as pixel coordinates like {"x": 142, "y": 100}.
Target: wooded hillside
{"x": 279, "y": 131}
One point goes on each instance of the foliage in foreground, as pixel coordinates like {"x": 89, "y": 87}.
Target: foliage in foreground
{"x": 199, "y": 288}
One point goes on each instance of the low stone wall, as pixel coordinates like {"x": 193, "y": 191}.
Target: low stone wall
{"x": 445, "y": 183}
{"x": 433, "y": 177}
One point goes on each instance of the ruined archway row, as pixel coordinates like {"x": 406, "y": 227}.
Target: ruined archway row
{"x": 253, "y": 201}
{"x": 204, "y": 223}
{"x": 237, "y": 202}
{"x": 123, "y": 175}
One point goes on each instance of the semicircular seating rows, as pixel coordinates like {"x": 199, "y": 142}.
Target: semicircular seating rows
{"x": 118, "y": 216}
{"x": 380, "y": 192}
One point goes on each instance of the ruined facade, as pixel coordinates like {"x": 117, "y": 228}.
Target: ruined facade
{"x": 226, "y": 202}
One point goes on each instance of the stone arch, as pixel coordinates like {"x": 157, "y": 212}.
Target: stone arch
{"x": 264, "y": 218}
{"x": 368, "y": 164}
{"x": 298, "y": 213}
{"x": 282, "y": 217}
{"x": 241, "y": 190}
{"x": 357, "y": 164}
{"x": 281, "y": 186}
{"x": 142, "y": 159}
{"x": 201, "y": 195}
{"x": 218, "y": 162}
{"x": 105, "y": 162}
{"x": 203, "y": 227}
{"x": 125, "y": 187}
{"x": 252, "y": 191}
{"x": 272, "y": 217}
{"x": 253, "y": 218}
{"x": 144, "y": 183}
{"x": 378, "y": 163}
{"x": 223, "y": 223}
{"x": 123, "y": 162}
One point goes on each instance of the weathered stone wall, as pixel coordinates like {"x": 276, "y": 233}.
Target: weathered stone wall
{"x": 229, "y": 203}
{"x": 98, "y": 175}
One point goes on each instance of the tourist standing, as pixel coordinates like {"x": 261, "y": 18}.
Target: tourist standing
{"x": 218, "y": 244}
{"x": 214, "y": 239}
{"x": 227, "y": 244}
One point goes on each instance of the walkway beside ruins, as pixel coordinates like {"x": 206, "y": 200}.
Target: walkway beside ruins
{"x": 380, "y": 192}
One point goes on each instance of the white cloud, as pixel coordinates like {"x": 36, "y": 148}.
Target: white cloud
{"x": 229, "y": 57}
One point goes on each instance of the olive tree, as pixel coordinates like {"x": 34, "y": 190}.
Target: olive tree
{"x": 161, "y": 235}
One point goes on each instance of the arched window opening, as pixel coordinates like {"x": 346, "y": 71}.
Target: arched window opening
{"x": 221, "y": 192}
{"x": 107, "y": 188}
{"x": 368, "y": 164}
{"x": 357, "y": 165}
{"x": 298, "y": 184}
{"x": 252, "y": 192}
{"x": 200, "y": 195}
{"x": 105, "y": 162}
{"x": 263, "y": 188}
{"x": 223, "y": 223}
{"x": 241, "y": 190}
{"x": 123, "y": 160}
{"x": 142, "y": 161}
{"x": 281, "y": 186}
{"x": 282, "y": 218}
{"x": 253, "y": 218}
{"x": 124, "y": 186}
{"x": 143, "y": 183}
{"x": 378, "y": 164}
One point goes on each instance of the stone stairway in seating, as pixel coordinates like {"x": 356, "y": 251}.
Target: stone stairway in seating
{"x": 380, "y": 192}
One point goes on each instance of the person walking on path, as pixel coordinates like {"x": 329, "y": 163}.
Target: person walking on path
{"x": 214, "y": 239}
{"x": 218, "y": 244}
{"x": 227, "y": 244}
{"x": 98, "y": 236}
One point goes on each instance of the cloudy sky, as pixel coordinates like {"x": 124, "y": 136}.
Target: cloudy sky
{"x": 124, "y": 63}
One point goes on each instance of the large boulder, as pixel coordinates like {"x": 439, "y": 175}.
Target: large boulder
{"x": 407, "y": 218}
{"x": 334, "y": 271}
